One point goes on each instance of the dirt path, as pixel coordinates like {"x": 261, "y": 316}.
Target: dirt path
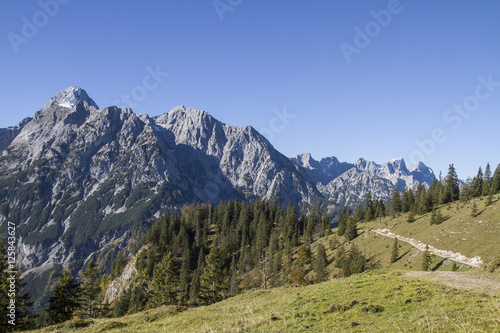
{"x": 455, "y": 256}
{"x": 461, "y": 280}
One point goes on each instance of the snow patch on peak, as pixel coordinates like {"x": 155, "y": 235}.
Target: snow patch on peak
{"x": 69, "y": 97}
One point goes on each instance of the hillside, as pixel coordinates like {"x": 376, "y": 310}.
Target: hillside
{"x": 440, "y": 300}
{"x": 374, "y": 301}
{"x": 75, "y": 179}
{"x": 460, "y": 233}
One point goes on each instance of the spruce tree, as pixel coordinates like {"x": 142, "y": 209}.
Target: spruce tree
{"x": 320, "y": 264}
{"x": 354, "y": 262}
{"x": 325, "y": 223}
{"x": 194, "y": 288}
{"x": 369, "y": 208}
{"x": 90, "y": 292}
{"x": 165, "y": 283}
{"x": 426, "y": 259}
{"x": 395, "y": 251}
{"x": 411, "y": 215}
{"x": 65, "y": 301}
{"x": 380, "y": 210}
{"x": 451, "y": 187}
{"x": 489, "y": 199}
{"x": 473, "y": 212}
{"x": 433, "y": 217}
{"x": 407, "y": 201}
{"x": 358, "y": 213}
{"x": 122, "y": 304}
{"x": 212, "y": 280}
{"x": 495, "y": 181}
{"x": 395, "y": 203}
{"x": 342, "y": 222}
{"x": 477, "y": 184}
{"x": 303, "y": 255}
{"x": 233, "y": 278}
{"x": 487, "y": 180}
{"x": 340, "y": 257}
{"x": 351, "y": 229}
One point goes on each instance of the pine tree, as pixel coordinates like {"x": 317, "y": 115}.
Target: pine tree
{"x": 118, "y": 265}
{"x": 303, "y": 255}
{"x": 395, "y": 203}
{"x": 489, "y": 199}
{"x": 487, "y": 180}
{"x": 65, "y": 301}
{"x": 325, "y": 223}
{"x": 358, "y": 213}
{"x": 194, "y": 288}
{"x": 342, "y": 222}
{"x": 233, "y": 278}
{"x": 138, "y": 298}
{"x": 495, "y": 181}
{"x": 122, "y": 304}
{"x": 395, "y": 251}
{"x": 452, "y": 188}
{"x": 340, "y": 257}
{"x": 433, "y": 217}
{"x": 380, "y": 210}
{"x": 369, "y": 208}
{"x": 473, "y": 212}
{"x": 477, "y": 184}
{"x": 354, "y": 262}
{"x": 90, "y": 291}
{"x": 320, "y": 264}
{"x": 408, "y": 200}
{"x": 212, "y": 280}
{"x": 426, "y": 259}
{"x": 165, "y": 282}
{"x": 466, "y": 191}
{"x": 351, "y": 229}
{"x": 411, "y": 215}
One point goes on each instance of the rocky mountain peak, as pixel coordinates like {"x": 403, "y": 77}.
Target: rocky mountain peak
{"x": 70, "y": 96}
{"x": 305, "y": 160}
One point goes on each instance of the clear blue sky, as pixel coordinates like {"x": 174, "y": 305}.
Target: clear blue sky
{"x": 276, "y": 55}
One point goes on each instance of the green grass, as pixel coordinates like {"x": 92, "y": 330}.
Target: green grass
{"x": 376, "y": 301}
{"x": 471, "y": 236}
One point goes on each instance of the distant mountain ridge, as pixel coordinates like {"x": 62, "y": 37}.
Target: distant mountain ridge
{"x": 344, "y": 184}
{"x": 74, "y": 178}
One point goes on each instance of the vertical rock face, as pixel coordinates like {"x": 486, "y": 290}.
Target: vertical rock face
{"x": 75, "y": 177}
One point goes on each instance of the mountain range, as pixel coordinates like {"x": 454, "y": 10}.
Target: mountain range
{"x": 75, "y": 178}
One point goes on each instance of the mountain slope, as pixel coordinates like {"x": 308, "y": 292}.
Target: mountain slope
{"x": 369, "y": 302}
{"x": 76, "y": 177}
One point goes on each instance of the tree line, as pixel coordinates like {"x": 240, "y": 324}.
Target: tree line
{"x": 207, "y": 253}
